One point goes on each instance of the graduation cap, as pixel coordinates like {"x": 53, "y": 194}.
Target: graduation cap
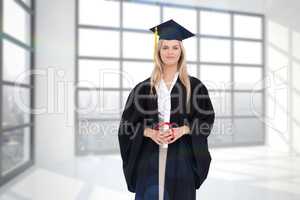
{"x": 170, "y": 30}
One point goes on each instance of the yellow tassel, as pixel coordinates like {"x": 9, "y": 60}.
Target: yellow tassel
{"x": 155, "y": 42}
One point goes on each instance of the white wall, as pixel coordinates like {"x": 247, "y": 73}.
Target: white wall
{"x": 55, "y": 46}
{"x": 283, "y": 69}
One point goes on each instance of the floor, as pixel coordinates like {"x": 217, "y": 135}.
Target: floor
{"x": 236, "y": 173}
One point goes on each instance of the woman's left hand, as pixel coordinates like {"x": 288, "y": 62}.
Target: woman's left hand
{"x": 178, "y": 133}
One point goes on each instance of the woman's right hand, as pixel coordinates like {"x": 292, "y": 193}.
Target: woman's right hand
{"x": 157, "y": 136}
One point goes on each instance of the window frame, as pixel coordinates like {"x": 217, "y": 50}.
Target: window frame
{"x": 30, "y": 9}
{"x": 197, "y": 63}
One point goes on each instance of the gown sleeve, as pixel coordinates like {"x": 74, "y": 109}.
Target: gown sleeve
{"x": 130, "y": 136}
{"x": 200, "y": 121}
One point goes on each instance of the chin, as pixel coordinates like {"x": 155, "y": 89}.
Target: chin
{"x": 171, "y": 63}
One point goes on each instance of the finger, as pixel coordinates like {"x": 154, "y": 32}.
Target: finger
{"x": 163, "y": 134}
{"x": 169, "y": 137}
{"x": 160, "y": 138}
{"x": 172, "y": 140}
{"x": 158, "y": 142}
{"x": 161, "y": 141}
{"x": 166, "y": 141}
{"x": 165, "y": 137}
{"x": 169, "y": 132}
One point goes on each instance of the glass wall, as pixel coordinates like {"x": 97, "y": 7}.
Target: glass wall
{"x": 16, "y": 90}
{"x": 115, "y": 51}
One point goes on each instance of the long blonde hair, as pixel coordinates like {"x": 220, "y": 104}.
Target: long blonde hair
{"x": 182, "y": 69}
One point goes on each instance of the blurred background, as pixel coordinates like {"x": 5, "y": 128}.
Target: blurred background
{"x": 67, "y": 67}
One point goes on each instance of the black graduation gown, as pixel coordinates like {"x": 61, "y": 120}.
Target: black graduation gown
{"x": 188, "y": 158}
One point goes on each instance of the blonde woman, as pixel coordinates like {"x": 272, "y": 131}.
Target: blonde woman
{"x": 165, "y": 124}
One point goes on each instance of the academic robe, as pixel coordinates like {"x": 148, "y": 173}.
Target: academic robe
{"x": 188, "y": 158}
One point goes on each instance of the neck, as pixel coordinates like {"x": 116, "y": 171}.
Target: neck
{"x": 169, "y": 71}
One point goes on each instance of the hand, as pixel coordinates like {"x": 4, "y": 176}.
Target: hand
{"x": 179, "y": 132}
{"x": 166, "y": 136}
{"x": 157, "y": 136}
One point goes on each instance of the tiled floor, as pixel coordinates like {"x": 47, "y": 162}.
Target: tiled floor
{"x": 236, "y": 173}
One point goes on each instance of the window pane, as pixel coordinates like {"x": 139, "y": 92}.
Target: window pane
{"x": 185, "y": 17}
{"x": 192, "y": 70}
{"x": 135, "y": 72}
{"x": 248, "y": 78}
{"x": 215, "y": 77}
{"x": 98, "y": 136}
{"x": 99, "y": 104}
{"x": 16, "y": 21}
{"x": 247, "y": 26}
{"x": 138, "y": 45}
{"x": 190, "y": 45}
{"x": 110, "y": 103}
{"x": 247, "y": 52}
{"x": 15, "y": 146}
{"x": 214, "y": 23}
{"x": 99, "y": 12}
{"x": 248, "y": 103}
{"x": 15, "y": 106}
{"x": 149, "y": 13}
{"x": 214, "y": 50}
{"x": 221, "y": 132}
{"x": 221, "y": 103}
{"x": 99, "y": 43}
{"x": 15, "y": 63}
{"x": 94, "y": 73}
{"x": 88, "y": 103}
{"x": 248, "y": 130}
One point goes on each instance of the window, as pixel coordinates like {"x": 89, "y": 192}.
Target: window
{"x": 248, "y": 26}
{"x": 137, "y": 45}
{"x": 115, "y": 53}
{"x": 16, "y": 89}
{"x": 215, "y": 23}
{"x": 97, "y": 12}
{"x": 98, "y": 43}
{"x": 149, "y": 14}
{"x": 215, "y": 50}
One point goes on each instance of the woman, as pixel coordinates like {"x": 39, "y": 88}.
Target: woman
{"x": 165, "y": 124}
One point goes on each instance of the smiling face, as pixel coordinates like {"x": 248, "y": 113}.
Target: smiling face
{"x": 170, "y": 52}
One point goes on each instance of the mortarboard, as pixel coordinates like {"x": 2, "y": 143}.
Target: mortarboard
{"x": 170, "y": 30}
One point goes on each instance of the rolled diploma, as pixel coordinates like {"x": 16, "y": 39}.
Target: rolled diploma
{"x": 164, "y": 128}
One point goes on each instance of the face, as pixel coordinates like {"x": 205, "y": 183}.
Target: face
{"x": 170, "y": 52}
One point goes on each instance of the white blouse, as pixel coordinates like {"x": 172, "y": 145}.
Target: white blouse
{"x": 164, "y": 102}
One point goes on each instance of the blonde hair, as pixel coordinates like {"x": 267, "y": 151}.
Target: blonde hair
{"x": 181, "y": 67}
